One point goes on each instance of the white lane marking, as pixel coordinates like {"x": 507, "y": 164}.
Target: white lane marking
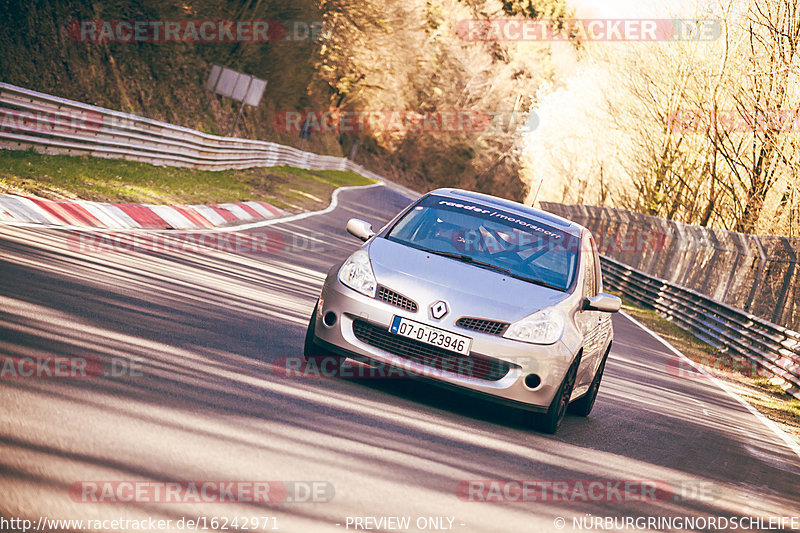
{"x": 790, "y": 442}
{"x": 260, "y": 224}
{"x": 300, "y": 216}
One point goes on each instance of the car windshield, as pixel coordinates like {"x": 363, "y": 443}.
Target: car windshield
{"x": 490, "y": 238}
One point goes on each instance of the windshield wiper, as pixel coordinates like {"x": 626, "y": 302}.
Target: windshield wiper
{"x": 471, "y": 260}
{"x": 477, "y": 262}
{"x": 538, "y": 282}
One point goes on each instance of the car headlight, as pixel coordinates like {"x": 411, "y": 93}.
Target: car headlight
{"x": 543, "y": 327}
{"x": 357, "y": 273}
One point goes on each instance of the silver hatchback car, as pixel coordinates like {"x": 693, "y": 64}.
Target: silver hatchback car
{"x": 475, "y": 292}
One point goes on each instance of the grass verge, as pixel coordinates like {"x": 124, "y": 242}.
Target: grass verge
{"x": 116, "y": 180}
{"x": 768, "y": 398}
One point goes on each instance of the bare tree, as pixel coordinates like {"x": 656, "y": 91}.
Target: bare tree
{"x": 413, "y": 58}
{"x": 705, "y": 132}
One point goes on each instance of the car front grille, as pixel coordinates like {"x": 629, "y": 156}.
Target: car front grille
{"x": 475, "y": 366}
{"x": 491, "y": 327}
{"x": 394, "y": 298}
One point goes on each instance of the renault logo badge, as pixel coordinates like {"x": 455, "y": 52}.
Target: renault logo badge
{"x": 439, "y": 310}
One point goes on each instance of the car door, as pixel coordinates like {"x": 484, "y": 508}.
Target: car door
{"x": 589, "y": 321}
{"x": 605, "y": 329}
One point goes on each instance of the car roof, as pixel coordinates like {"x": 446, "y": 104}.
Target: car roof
{"x": 517, "y": 208}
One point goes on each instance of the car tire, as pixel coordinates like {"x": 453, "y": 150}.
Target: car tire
{"x": 583, "y": 405}
{"x": 551, "y": 420}
{"x": 315, "y": 355}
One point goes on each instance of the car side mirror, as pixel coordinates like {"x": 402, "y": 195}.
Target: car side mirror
{"x": 607, "y": 303}
{"x": 359, "y": 228}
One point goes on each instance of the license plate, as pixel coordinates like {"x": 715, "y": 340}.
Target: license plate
{"x": 430, "y": 335}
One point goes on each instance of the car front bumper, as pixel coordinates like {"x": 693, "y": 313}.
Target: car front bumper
{"x": 351, "y": 308}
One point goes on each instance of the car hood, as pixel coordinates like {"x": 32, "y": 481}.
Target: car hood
{"x": 469, "y": 290}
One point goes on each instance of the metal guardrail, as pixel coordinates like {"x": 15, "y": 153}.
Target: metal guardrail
{"x": 759, "y": 274}
{"x": 30, "y": 119}
{"x": 740, "y": 334}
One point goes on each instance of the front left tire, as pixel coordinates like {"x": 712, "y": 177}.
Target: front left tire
{"x": 315, "y": 355}
{"x": 583, "y": 405}
{"x": 551, "y": 420}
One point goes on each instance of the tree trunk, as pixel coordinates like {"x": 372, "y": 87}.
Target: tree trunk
{"x": 755, "y": 195}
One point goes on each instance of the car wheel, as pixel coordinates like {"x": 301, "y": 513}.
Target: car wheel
{"x": 316, "y": 356}
{"x": 550, "y": 421}
{"x": 583, "y": 406}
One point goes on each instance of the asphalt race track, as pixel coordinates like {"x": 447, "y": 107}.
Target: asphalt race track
{"x": 191, "y": 348}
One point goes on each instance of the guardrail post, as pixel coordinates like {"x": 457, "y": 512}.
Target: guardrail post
{"x": 614, "y": 226}
{"x": 662, "y": 263}
{"x": 709, "y": 270}
{"x": 599, "y": 224}
{"x": 684, "y": 248}
{"x": 699, "y": 257}
{"x": 739, "y": 244}
{"x": 757, "y": 280}
{"x": 781, "y": 306}
{"x": 602, "y": 235}
{"x": 630, "y": 255}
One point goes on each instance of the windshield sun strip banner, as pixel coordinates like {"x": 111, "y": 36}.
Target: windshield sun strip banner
{"x": 490, "y": 213}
